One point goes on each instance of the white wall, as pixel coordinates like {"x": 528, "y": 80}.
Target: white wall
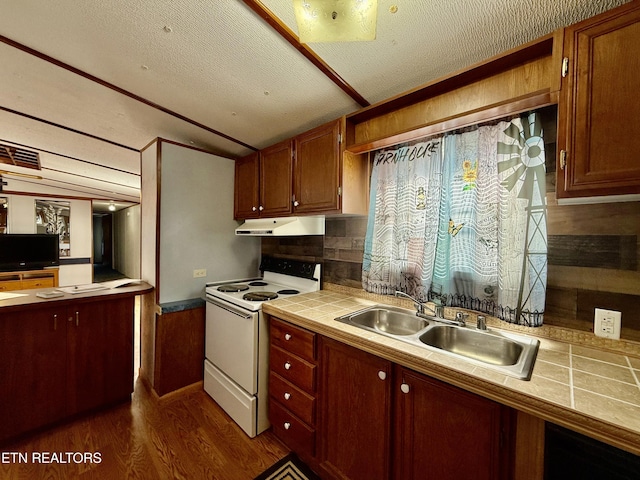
{"x": 197, "y": 229}
{"x": 126, "y": 235}
{"x": 22, "y": 219}
{"x": 148, "y": 209}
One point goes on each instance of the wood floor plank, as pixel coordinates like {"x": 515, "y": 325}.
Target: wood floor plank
{"x": 182, "y": 436}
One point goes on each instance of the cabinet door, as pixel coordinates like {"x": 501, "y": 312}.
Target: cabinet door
{"x": 32, "y": 369}
{"x": 276, "y": 166}
{"x": 599, "y": 104}
{"x": 443, "y": 432}
{"x": 246, "y": 187}
{"x": 316, "y": 172}
{"x": 354, "y": 417}
{"x": 100, "y": 358}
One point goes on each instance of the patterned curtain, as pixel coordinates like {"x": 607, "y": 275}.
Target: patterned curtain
{"x": 484, "y": 236}
{"x": 403, "y": 219}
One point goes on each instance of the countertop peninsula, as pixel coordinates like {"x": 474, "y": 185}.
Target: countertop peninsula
{"x": 29, "y": 299}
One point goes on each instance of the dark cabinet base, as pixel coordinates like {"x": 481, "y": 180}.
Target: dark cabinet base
{"x": 571, "y": 455}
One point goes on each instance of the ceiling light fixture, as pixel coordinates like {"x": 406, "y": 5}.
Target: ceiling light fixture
{"x": 336, "y": 20}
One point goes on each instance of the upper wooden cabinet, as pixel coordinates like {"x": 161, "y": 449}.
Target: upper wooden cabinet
{"x": 276, "y": 170}
{"x": 317, "y": 170}
{"x": 598, "y": 120}
{"x": 246, "y": 187}
{"x": 308, "y": 174}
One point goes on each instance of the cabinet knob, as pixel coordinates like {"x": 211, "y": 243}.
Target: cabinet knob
{"x": 382, "y": 375}
{"x": 296, "y": 203}
{"x": 287, "y": 395}
{"x": 287, "y": 336}
{"x": 287, "y": 366}
{"x": 287, "y": 425}
{"x": 260, "y": 208}
{"x": 404, "y": 388}
{"x": 253, "y": 209}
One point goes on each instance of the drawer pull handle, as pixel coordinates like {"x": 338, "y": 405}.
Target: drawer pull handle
{"x": 287, "y": 366}
{"x": 287, "y": 425}
{"x": 55, "y": 322}
{"x": 287, "y": 395}
{"x": 287, "y": 336}
{"x": 405, "y": 388}
{"x": 382, "y": 375}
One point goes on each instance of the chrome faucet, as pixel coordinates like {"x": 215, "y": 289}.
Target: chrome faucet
{"x": 438, "y": 312}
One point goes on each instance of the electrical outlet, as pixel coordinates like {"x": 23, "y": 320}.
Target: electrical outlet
{"x": 200, "y": 273}
{"x": 607, "y": 323}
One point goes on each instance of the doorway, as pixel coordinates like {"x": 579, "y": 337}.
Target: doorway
{"x": 103, "y": 249}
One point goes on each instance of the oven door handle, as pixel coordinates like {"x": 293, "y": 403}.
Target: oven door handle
{"x": 229, "y": 308}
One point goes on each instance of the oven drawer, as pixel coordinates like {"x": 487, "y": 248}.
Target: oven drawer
{"x": 293, "y": 339}
{"x": 300, "y": 403}
{"x": 291, "y": 430}
{"x": 293, "y": 368}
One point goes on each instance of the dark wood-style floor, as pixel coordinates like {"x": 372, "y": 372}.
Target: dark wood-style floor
{"x": 184, "y": 435}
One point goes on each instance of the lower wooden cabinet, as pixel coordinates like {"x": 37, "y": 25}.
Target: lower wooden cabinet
{"x": 32, "y": 369}
{"x": 292, "y": 387}
{"x": 60, "y": 361}
{"x": 443, "y": 432}
{"x": 369, "y": 418}
{"x": 354, "y": 421}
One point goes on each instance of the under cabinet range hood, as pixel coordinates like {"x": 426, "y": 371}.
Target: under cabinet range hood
{"x": 282, "y": 227}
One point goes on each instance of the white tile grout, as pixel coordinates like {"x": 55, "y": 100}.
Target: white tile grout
{"x": 573, "y": 400}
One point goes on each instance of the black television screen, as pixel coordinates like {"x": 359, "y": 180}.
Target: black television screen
{"x": 28, "y": 251}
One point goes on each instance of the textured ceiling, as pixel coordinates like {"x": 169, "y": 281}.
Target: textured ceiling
{"x": 215, "y": 75}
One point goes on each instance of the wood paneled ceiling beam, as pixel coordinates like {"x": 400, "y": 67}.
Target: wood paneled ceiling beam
{"x": 267, "y": 15}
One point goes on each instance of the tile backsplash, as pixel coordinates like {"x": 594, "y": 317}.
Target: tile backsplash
{"x": 593, "y": 260}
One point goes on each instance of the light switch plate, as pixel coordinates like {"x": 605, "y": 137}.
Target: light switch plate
{"x": 200, "y": 273}
{"x": 607, "y": 323}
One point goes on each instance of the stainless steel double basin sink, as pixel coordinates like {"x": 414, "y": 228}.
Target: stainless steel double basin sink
{"x": 504, "y": 352}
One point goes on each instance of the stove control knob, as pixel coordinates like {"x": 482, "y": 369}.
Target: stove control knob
{"x": 287, "y": 336}
{"x": 287, "y": 366}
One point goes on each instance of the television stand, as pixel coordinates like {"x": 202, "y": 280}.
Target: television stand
{"x": 26, "y": 279}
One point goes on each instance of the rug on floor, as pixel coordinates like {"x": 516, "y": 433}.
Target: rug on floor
{"x": 288, "y": 468}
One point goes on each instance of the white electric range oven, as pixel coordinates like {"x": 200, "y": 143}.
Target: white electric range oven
{"x": 236, "y": 366}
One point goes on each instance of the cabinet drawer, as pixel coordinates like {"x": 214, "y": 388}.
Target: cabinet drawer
{"x": 10, "y": 285}
{"x": 291, "y": 430}
{"x": 300, "y": 403}
{"x": 293, "y": 368}
{"x": 293, "y": 339}
{"x": 37, "y": 283}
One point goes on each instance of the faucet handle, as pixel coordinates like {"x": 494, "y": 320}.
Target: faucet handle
{"x": 462, "y": 318}
{"x": 482, "y": 323}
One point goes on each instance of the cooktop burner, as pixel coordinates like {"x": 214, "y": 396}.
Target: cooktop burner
{"x": 288, "y": 291}
{"x": 233, "y": 287}
{"x": 259, "y": 296}
{"x": 258, "y": 284}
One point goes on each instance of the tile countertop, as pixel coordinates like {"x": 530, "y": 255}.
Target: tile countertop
{"x": 594, "y": 391}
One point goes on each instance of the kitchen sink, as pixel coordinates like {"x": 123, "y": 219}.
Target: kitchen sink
{"x": 481, "y": 346}
{"x": 388, "y": 320}
{"x": 500, "y": 351}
